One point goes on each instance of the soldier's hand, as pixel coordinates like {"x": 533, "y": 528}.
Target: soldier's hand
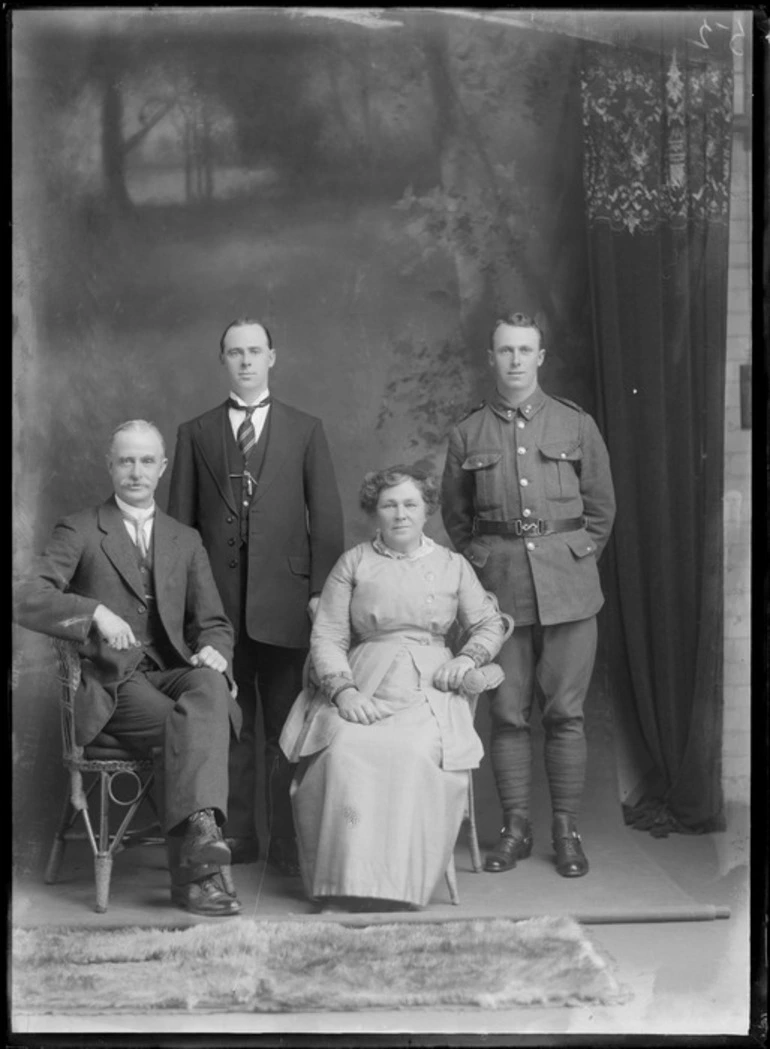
{"x": 115, "y": 631}
{"x": 209, "y": 657}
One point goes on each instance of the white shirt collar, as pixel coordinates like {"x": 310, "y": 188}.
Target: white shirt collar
{"x": 240, "y": 400}
{"x": 427, "y": 546}
{"x": 134, "y": 512}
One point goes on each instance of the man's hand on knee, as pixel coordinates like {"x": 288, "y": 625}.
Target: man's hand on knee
{"x": 209, "y": 657}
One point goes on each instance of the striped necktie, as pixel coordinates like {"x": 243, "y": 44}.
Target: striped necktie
{"x": 247, "y": 437}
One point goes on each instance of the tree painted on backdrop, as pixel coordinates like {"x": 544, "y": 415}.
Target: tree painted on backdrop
{"x": 502, "y": 226}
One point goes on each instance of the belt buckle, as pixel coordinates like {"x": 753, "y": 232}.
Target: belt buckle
{"x": 529, "y": 527}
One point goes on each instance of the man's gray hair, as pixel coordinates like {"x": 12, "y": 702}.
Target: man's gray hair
{"x": 136, "y": 424}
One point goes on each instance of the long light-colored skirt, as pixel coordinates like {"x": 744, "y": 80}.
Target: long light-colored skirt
{"x": 376, "y": 816}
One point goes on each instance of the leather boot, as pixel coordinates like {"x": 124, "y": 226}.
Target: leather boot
{"x": 515, "y": 844}
{"x": 203, "y": 842}
{"x": 571, "y": 861}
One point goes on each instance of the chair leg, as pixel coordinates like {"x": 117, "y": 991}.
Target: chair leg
{"x": 56, "y": 854}
{"x": 451, "y": 881}
{"x": 102, "y": 874}
{"x": 473, "y": 838}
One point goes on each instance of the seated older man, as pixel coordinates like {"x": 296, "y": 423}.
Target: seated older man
{"x": 133, "y": 588}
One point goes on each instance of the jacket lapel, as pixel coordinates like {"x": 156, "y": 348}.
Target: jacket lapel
{"x": 211, "y": 441}
{"x": 118, "y": 546}
{"x": 165, "y": 550}
{"x": 278, "y": 445}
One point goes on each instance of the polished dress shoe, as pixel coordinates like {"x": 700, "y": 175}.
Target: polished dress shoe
{"x": 282, "y": 855}
{"x": 208, "y": 897}
{"x": 243, "y": 850}
{"x": 571, "y": 861}
{"x": 203, "y": 842}
{"x": 515, "y": 844}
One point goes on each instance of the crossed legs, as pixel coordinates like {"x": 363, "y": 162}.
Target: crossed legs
{"x": 184, "y": 712}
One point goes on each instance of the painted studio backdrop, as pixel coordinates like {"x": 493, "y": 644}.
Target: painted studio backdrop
{"x": 374, "y": 191}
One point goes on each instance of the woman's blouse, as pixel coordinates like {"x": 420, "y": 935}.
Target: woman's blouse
{"x": 374, "y": 606}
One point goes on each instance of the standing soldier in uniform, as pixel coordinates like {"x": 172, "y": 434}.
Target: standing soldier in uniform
{"x": 528, "y": 499}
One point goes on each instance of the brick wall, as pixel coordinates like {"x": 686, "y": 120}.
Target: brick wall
{"x": 737, "y": 497}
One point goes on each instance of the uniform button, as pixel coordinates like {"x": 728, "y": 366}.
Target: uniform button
{"x": 527, "y": 407}
{"x": 524, "y": 482}
{"x": 230, "y": 519}
{"x": 509, "y": 413}
{"x": 564, "y": 455}
{"x": 521, "y": 424}
{"x": 429, "y": 598}
{"x": 245, "y": 502}
{"x": 521, "y": 449}
{"x": 233, "y": 564}
{"x": 231, "y": 541}
{"x": 530, "y": 546}
{"x": 141, "y": 610}
{"x": 526, "y": 513}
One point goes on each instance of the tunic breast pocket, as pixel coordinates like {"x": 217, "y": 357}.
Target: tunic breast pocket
{"x": 560, "y": 463}
{"x": 485, "y": 469}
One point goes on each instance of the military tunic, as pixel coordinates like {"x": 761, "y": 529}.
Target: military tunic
{"x": 544, "y": 460}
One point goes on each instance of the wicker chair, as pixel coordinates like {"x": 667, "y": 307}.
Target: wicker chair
{"x": 470, "y": 809}
{"x": 106, "y": 760}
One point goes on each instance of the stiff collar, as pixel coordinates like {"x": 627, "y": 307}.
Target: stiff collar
{"x": 134, "y": 512}
{"x": 508, "y": 412}
{"x": 240, "y": 400}
{"x": 427, "y": 546}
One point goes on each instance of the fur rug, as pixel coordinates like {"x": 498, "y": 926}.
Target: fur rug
{"x": 243, "y": 965}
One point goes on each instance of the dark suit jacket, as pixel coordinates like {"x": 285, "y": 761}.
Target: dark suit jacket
{"x": 91, "y": 561}
{"x": 295, "y": 519}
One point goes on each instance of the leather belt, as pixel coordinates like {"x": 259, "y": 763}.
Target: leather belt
{"x": 524, "y": 526}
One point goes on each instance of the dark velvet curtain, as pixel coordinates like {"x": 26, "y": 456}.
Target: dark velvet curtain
{"x": 657, "y": 142}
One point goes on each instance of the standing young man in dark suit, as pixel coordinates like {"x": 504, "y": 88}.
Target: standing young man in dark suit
{"x": 528, "y": 498}
{"x": 255, "y": 477}
{"x": 134, "y": 590}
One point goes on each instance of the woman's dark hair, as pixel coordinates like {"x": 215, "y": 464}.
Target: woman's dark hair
{"x": 377, "y": 480}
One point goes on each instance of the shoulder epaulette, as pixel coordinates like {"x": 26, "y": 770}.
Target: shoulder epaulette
{"x": 570, "y": 404}
{"x": 473, "y": 410}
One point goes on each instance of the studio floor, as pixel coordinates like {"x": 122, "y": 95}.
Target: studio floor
{"x": 657, "y": 906}
{"x": 687, "y": 977}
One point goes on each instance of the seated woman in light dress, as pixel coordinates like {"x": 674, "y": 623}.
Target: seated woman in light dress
{"x": 384, "y": 740}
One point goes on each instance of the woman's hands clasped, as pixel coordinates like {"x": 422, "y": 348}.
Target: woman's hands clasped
{"x": 355, "y": 706}
{"x": 449, "y": 677}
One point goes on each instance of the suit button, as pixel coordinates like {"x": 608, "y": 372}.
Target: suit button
{"x": 230, "y": 519}
{"x": 231, "y": 542}
{"x": 233, "y": 564}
